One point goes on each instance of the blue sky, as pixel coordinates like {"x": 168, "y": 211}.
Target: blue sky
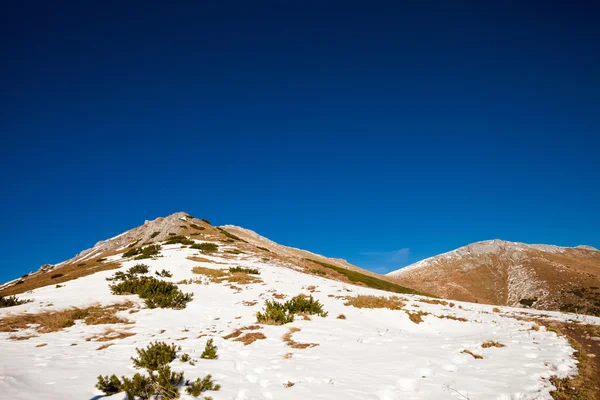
{"x": 381, "y": 133}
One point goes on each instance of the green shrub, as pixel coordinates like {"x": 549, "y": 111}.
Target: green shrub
{"x": 199, "y": 386}
{"x": 200, "y": 228}
{"x": 278, "y": 313}
{"x": 205, "y": 247}
{"x": 234, "y": 251}
{"x": 370, "y": 281}
{"x": 80, "y": 264}
{"x": 183, "y": 226}
{"x": 205, "y": 220}
{"x": 131, "y": 253}
{"x": 210, "y": 351}
{"x": 134, "y": 244}
{"x": 263, "y": 249}
{"x": 54, "y": 276}
{"x": 138, "y": 269}
{"x": 156, "y": 293}
{"x": 245, "y": 270}
{"x": 12, "y": 301}
{"x": 164, "y": 274}
{"x": 185, "y": 357}
{"x": 195, "y": 234}
{"x": 149, "y": 251}
{"x": 101, "y": 259}
{"x": 154, "y": 234}
{"x": 154, "y": 356}
{"x": 231, "y": 235}
{"x": 109, "y": 385}
{"x": 179, "y": 239}
{"x": 318, "y": 271}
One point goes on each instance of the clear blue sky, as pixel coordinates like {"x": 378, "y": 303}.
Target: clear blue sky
{"x": 381, "y": 133}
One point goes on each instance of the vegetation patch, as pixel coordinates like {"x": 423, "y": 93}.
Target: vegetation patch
{"x": 277, "y": 313}
{"x": 164, "y": 274}
{"x": 370, "y": 281}
{"x": 363, "y": 301}
{"x": 231, "y": 235}
{"x": 452, "y": 317}
{"x": 156, "y": 293}
{"x": 219, "y": 276}
{"x": 160, "y": 382}
{"x": 474, "y": 355}
{"x": 210, "y": 351}
{"x": 53, "y": 321}
{"x": 318, "y": 271}
{"x": 263, "y": 249}
{"x": 491, "y": 343}
{"x": 253, "y": 271}
{"x": 287, "y": 338}
{"x": 12, "y": 301}
{"x": 175, "y": 239}
{"x": 416, "y": 317}
{"x": 154, "y": 234}
{"x": 205, "y": 247}
{"x": 250, "y": 338}
{"x": 197, "y": 227}
{"x": 234, "y": 251}
{"x": 141, "y": 253}
{"x": 54, "y": 276}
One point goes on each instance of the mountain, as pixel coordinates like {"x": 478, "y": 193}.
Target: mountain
{"x": 513, "y": 274}
{"x": 178, "y": 307}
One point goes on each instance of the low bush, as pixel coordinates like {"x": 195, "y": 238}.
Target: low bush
{"x": 160, "y": 383}
{"x": 244, "y": 270}
{"x": 156, "y": 293}
{"x": 205, "y": 247}
{"x": 210, "y": 351}
{"x": 138, "y": 269}
{"x": 206, "y": 221}
{"x": 263, "y": 249}
{"x": 101, "y": 259}
{"x": 164, "y": 274}
{"x": 54, "y": 276}
{"x": 200, "y": 386}
{"x": 131, "y": 253}
{"x": 234, "y": 251}
{"x": 179, "y": 239}
{"x": 12, "y": 301}
{"x": 80, "y": 264}
{"x": 156, "y": 355}
{"x": 154, "y": 234}
{"x": 134, "y": 244}
{"x": 149, "y": 251}
{"x": 282, "y": 313}
{"x": 200, "y": 228}
{"x": 231, "y": 235}
{"x": 318, "y": 271}
{"x": 195, "y": 234}
{"x": 183, "y": 226}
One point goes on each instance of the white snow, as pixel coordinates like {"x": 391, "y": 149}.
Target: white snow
{"x": 374, "y": 354}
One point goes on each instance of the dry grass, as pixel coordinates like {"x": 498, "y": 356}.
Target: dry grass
{"x": 289, "y": 384}
{"x": 491, "y": 343}
{"x": 434, "y": 301}
{"x": 104, "y": 346}
{"x": 341, "y": 316}
{"x": 249, "y": 303}
{"x": 21, "y": 337}
{"x": 496, "y": 309}
{"x": 475, "y": 356}
{"x": 416, "y": 317}
{"x": 108, "y": 335}
{"x": 279, "y": 296}
{"x": 461, "y": 319}
{"x": 233, "y": 334}
{"x": 251, "y": 327}
{"x": 52, "y": 321}
{"x": 287, "y": 356}
{"x": 221, "y": 275}
{"x": 202, "y": 259}
{"x": 361, "y": 301}
{"x": 250, "y": 338}
{"x": 212, "y": 273}
{"x": 287, "y": 338}
{"x": 68, "y": 271}
{"x": 243, "y": 278}
{"x": 42, "y": 345}
{"x": 311, "y": 289}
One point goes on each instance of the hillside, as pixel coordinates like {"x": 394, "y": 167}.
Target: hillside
{"x": 513, "y": 274}
{"x": 236, "y": 312}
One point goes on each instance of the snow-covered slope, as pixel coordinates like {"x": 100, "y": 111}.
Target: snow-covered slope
{"x": 510, "y": 273}
{"x": 371, "y": 354}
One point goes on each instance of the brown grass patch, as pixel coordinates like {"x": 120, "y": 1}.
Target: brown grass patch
{"x": 289, "y": 384}
{"x": 250, "y": 338}
{"x": 287, "y": 338}
{"x": 21, "y": 337}
{"x": 221, "y": 275}
{"x": 52, "y": 321}
{"x": 361, "y": 301}
{"x": 496, "y": 309}
{"x": 210, "y": 272}
{"x": 434, "y": 301}
{"x": 233, "y": 334}
{"x": 243, "y": 278}
{"x": 279, "y": 296}
{"x": 341, "y": 316}
{"x": 416, "y": 317}
{"x": 461, "y": 319}
{"x": 249, "y": 303}
{"x": 311, "y": 289}
{"x": 287, "y": 356}
{"x": 491, "y": 343}
{"x": 475, "y": 356}
{"x": 202, "y": 259}
{"x": 251, "y": 327}
{"x": 104, "y": 346}
{"x": 108, "y": 335}
{"x": 42, "y": 345}
{"x": 68, "y": 271}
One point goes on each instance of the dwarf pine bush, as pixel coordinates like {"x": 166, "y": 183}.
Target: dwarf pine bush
{"x": 11, "y": 301}
{"x": 138, "y": 269}
{"x": 253, "y": 271}
{"x": 156, "y": 293}
{"x": 199, "y": 386}
{"x": 179, "y": 239}
{"x": 205, "y": 247}
{"x": 283, "y": 313}
{"x": 164, "y": 274}
{"x": 156, "y": 355}
{"x": 210, "y": 351}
